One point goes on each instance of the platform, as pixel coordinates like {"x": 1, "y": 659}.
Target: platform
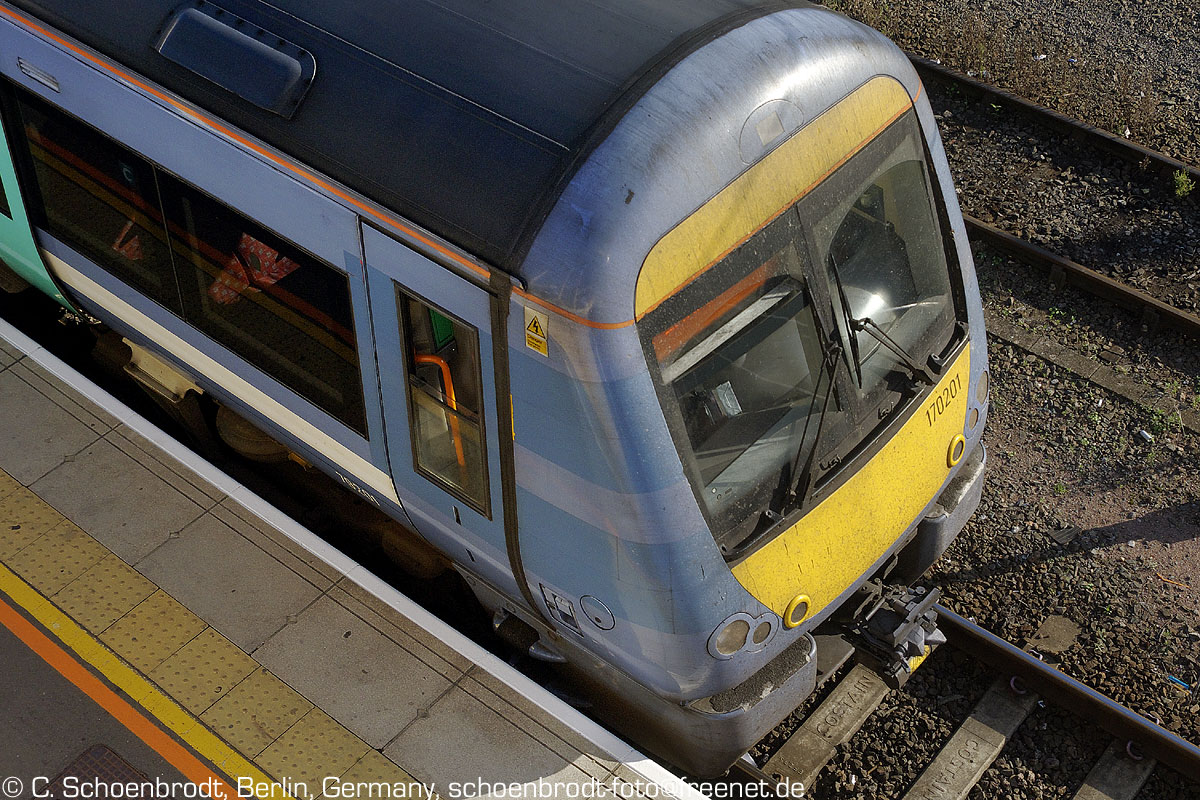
{"x": 158, "y": 613}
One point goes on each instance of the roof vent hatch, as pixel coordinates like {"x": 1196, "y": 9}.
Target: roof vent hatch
{"x": 239, "y": 56}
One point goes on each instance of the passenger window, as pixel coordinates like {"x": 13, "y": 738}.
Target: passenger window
{"x": 101, "y": 199}
{"x": 283, "y": 310}
{"x": 442, "y": 361}
{"x": 279, "y": 308}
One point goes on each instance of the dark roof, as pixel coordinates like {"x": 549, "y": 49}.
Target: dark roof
{"x": 463, "y": 115}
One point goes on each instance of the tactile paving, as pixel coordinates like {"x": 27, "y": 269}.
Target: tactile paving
{"x": 58, "y": 557}
{"x": 152, "y": 631}
{"x": 314, "y": 748}
{"x": 8, "y": 484}
{"x": 23, "y": 518}
{"x": 203, "y": 670}
{"x": 106, "y": 592}
{"x": 256, "y": 712}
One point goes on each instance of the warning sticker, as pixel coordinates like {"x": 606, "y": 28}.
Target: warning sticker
{"x": 536, "y": 325}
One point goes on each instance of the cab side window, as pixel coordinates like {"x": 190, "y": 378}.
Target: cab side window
{"x": 445, "y": 394}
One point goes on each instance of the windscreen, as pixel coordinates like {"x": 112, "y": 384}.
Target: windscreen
{"x": 876, "y": 232}
{"x": 776, "y": 352}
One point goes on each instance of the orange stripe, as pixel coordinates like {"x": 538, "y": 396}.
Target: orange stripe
{"x": 290, "y": 167}
{"x": 562, "y": 312}
{"x": 679, "y": 334}
{"x": 174, "y": 753}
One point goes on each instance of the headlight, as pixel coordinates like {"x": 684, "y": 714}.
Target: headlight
{"x": 732, "y": 637}
{"x": 741, "y": 632}
{"x": 797, "y": 611}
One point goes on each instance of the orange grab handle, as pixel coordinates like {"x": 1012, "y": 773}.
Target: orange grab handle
{"x": 448, "y": 383}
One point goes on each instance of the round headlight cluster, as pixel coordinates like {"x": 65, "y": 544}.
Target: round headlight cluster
{"x": 740, "y": 632}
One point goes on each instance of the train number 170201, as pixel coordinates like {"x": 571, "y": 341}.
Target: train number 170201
{"x": 944, "y": 399}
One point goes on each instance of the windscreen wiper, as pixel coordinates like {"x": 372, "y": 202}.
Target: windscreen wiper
{"x": 800, "y": 481}
{"x": 867, "y": 324}
{"x": 918, "y": 371}
{"x": 847, "y": 319}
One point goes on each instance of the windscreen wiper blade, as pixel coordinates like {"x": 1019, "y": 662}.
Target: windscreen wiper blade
{"x": 867, "y": 324}
{"x": 847, "y": 320}
{"x": 800, "y": 481}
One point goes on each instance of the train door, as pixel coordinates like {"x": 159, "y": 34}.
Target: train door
{"x": 434, "y": 338}
{"x": 17, "y": 246}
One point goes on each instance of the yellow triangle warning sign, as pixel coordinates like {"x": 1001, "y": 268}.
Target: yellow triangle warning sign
{"x": 536, "y": 324}
{"x": 535, "y": 328}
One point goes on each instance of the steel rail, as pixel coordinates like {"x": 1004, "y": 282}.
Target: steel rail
{"x": 1065, "y": 271}
{"x": 1154, "y": 740}
{"x": 1119, "y": 146}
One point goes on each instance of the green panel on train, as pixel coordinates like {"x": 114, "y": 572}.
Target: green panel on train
{"x": 17, "y": 247}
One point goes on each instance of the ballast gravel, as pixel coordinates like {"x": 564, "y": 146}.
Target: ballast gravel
{"x": 1123, "y": 65}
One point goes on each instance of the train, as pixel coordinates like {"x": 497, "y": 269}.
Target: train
{"x": 654, "y": 322}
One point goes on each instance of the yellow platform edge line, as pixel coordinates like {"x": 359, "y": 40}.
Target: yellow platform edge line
{"x": 163, "y": 708}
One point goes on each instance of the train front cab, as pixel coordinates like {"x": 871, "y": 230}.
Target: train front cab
{"x": 759, "y": 258}
{"x": 809, "y": 331}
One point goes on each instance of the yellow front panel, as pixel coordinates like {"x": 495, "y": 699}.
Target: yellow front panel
{"x": 839, "y": 540}
{"x": 769, "y": 187}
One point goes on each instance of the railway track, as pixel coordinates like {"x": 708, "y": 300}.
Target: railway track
{"x": 1022, "y": 680}
{"x": 931, "y": 71}
{"x": 1063, "y": 271}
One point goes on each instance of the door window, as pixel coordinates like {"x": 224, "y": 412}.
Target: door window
{"x": 445, "y": 399}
